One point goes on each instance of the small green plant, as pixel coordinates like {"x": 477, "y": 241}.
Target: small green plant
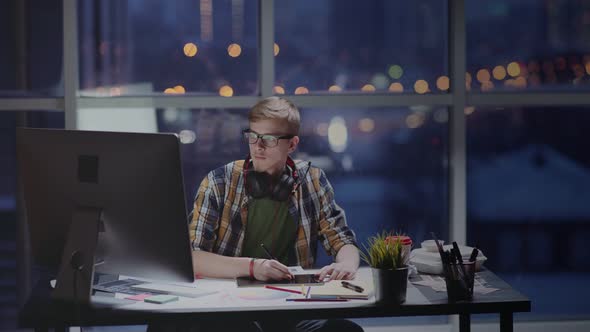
{"x": 384, "y": 251}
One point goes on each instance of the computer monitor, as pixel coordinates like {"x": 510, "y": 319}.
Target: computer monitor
{"x": 117, "y": 196}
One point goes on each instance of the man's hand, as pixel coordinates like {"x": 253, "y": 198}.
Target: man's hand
{"x": 347, "y": 262}
{"x": 266, "y": 269}
{"x": 338, "y": 271}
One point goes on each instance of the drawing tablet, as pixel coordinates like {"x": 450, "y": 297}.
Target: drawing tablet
{"x": 300, "y": 279}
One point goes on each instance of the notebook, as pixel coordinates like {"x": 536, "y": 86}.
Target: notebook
{"x": 334, "y": 289}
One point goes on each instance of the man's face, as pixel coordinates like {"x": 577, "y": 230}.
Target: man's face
{"x": 271, "y": 159}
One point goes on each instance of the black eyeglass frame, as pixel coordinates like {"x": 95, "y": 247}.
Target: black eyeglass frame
{"x": 247, "y": 133}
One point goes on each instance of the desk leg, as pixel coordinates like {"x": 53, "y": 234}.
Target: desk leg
{"x": 506, "y": 322}
{"x": 464, "y": 323}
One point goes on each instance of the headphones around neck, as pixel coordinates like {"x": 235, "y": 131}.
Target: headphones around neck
{"x": 262, "y": 184}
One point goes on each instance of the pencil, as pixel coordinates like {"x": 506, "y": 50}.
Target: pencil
{"x": 284, "y": 289}
{"x": 268, "y": 254}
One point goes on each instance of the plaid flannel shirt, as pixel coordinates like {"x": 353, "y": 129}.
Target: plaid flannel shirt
{"x": 220, "y": 213}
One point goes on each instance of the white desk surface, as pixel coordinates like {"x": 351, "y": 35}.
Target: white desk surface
{"x": 228, "y": 297}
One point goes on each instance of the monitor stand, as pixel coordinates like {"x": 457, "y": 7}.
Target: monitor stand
{"x": 76, "y": 271}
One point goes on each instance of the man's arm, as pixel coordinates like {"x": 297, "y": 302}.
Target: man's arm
{"x": 337, "y": 237}
{"x": 345, "y": 266}
{"x": 348, "y": 255}
{"x": 208, "y": 264}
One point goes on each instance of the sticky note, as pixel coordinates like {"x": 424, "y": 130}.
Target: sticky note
{"x": 160, "y": 299}
{"x": 139, "y": 297}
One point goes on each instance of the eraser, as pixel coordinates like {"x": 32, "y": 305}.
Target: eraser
{"x": 160, "y": 299}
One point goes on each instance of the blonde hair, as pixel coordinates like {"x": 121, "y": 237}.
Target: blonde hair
{"x": 277, "y": 108}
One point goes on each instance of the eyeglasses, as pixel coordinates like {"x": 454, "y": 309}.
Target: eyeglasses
{"x": 269, "y": 141}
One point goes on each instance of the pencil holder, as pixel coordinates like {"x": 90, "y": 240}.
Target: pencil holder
{"x": 459, "y": 279}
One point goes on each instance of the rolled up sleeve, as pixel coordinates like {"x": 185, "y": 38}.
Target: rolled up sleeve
{"x": 334, "y": 232}
{"x": 204, "y": 219}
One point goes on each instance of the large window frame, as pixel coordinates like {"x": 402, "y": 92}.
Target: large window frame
{"x": 456, "y": 100}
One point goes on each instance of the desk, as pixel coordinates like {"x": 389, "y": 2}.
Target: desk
{"x": 41, "y": 313}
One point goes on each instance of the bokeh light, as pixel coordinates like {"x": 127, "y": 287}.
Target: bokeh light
{"x": 414, "y": 120}
{"x": 421, "y": 86}
{"x": 380, "y": 81}
{"x": 179, "y": 89}
{"x": 337, "y": 134}
{"x": 187, "y": 136}
{"x": 499, "y": 73}
{"x": 301, "y": 90}
{"x": 513, "y": 69}
{"x": 443, "y": 83}
{"x": 226, "y": 91}
{"x": 335, "y": 88}
{"x": 279, "y": 90}
{"x": 234, "y": 50}
{"x": 190, "y": 49}
{"x": 520, "y": 82}
{"x": 395, "y": 72}
{"x": 483, "y": 75}
{"x": 366, "y": 125}
{"x": 396, "y": 87}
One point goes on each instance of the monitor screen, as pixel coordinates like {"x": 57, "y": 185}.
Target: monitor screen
{"x": 135, "y": 182}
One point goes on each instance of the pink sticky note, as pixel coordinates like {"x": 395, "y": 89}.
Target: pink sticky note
{"x": 138, "y": 297}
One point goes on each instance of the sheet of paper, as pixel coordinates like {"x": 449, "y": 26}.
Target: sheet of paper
{"x": 187, "y": 291}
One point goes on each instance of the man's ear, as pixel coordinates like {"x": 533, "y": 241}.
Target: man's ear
{"x": 293, "y": 142}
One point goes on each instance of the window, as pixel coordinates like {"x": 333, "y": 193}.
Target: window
{"x": 534, "y": 45}
{"x": 528, "y": 185}
{"x": 141, "y": 47}
{"x": 365, "y": 47}
{"x": 34, "y": 68}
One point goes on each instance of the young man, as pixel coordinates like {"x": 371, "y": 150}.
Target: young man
{"x": 270, "y": 206}
{"x": 228, "y": 224}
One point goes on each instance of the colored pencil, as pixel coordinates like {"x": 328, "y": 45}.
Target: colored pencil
{"x": 284, "y": 289}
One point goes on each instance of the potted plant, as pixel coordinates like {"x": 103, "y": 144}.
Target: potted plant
{"x": 387, "y": 255}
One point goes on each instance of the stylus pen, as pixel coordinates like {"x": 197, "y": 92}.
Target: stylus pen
{"x": 355, "y": 288}
{"x": 268, "y": 254}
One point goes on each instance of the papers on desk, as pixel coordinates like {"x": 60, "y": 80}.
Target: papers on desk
{"x": 437, "y": 283}
{"x": 170, "y": 289}
{"x": 228, "y": 296}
